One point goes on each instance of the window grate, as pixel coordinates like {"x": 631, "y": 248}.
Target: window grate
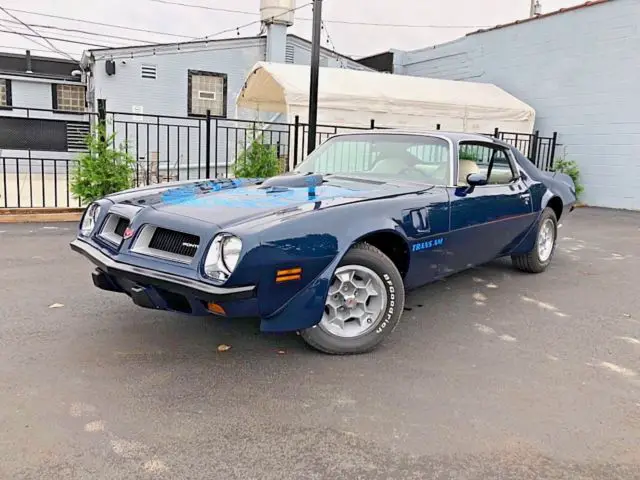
{"x": 290, "y": 54}
{"x": 77, "y": 133}
{"x": 149, "y": 71}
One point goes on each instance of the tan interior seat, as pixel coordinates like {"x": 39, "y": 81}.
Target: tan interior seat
{"x": 465, "y": 168}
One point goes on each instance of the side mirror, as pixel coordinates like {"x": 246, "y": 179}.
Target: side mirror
{"x": 476, "y": 179}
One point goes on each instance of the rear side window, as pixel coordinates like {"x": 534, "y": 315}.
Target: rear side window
{"x": 490, "y": 160}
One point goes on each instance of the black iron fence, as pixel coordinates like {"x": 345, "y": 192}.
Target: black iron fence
{"x": 165, "y": 148}
{"x": 540, "y": 150}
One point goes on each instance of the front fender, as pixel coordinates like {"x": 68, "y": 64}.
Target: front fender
{"x": 316, "y": 244}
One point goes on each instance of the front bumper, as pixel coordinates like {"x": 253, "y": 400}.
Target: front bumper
{"x": 167, "y": 281}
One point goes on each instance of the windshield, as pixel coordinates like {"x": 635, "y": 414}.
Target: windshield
{"x": 420, "y": 158}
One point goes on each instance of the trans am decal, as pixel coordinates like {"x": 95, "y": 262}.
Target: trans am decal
{"x": 427, "y": 245}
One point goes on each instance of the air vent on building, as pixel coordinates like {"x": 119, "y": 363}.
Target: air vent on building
{"x": 149, "y": 71}
{"x": 290, "y": 56}
{"x": 76, "y": 135}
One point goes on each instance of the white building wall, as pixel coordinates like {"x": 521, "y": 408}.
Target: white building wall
{"x": 579, "y": 70}
{"x": 171, "y": 148}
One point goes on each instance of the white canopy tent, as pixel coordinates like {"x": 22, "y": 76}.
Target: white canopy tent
{"x": 352, "y": 98}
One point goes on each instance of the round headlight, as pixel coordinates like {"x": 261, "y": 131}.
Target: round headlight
{"x": 90, "y": 218}
{"x": 231, "y": 248}
{"x": 222, "y": 257}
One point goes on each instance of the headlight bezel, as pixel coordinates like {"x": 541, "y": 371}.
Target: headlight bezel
{"x": 89, "y": 220}
{"x": 217, "y": 265}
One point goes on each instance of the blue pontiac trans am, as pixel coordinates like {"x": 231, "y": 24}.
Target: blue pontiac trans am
{"x": 329, "y": 249}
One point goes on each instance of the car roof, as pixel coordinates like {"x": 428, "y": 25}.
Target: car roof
{"x": 453, "y": 136}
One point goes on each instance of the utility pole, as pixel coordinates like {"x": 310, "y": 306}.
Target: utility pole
{"x": 315, "y": 74}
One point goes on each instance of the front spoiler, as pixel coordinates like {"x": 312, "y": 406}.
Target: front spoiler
{"x": 168, "y": 281}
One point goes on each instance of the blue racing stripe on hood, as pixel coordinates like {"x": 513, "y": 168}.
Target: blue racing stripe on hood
{"x": 252, "y": 197}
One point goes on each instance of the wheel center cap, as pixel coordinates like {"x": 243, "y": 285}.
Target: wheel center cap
{"x": 350, "y": 302}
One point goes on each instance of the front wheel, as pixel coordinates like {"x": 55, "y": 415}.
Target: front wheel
{"x": 363, "y": 306}
{"x": 539, "y": 258}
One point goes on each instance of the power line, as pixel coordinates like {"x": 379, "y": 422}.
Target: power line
{"x": 56, "y": 49}
{"x": 86, "y": 32}
{"x": 67, "y": 36}
{"x": 56, "y": 40}
{"x": 111, "y": 25}
{"x": 27, "y": 37}
{"x": 396, "y": 25}
{"x": 13, "y": 47}
{"x": 343, "y": 22}
{"x": 204, "y": 7}
{"x": 255, "y": 22}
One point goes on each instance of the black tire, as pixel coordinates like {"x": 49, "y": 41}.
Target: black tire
{"x": 531, "y": 262}
{"x": 365, "y": 255}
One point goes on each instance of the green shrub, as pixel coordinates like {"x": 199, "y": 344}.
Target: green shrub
{"x": 466, "y": 154}
{"x": 102, "y": 169}
{"x": 569, "y": 167}
{"x": 257, "y": 161}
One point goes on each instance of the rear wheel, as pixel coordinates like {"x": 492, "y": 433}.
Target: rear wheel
{"x": 364, "y": 304}
{"x": 538, "y": 259}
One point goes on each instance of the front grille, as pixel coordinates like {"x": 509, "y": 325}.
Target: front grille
{"x": 121, "y": 226}
{"x": 177, "y": 243}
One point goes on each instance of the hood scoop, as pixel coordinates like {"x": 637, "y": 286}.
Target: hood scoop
{"x": 295, "y": 180}
{"x": 283, "y": 183}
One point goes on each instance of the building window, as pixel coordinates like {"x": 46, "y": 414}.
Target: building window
{"x": 68, "y": 98}
{"x": 207, "y": 91}
{"x": 5, "y": 93}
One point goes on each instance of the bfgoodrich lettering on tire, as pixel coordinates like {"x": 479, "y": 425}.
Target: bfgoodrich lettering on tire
{"x": 364, "y": 304}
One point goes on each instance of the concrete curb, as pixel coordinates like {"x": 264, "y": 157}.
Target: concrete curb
{"x": 40, "y": 215}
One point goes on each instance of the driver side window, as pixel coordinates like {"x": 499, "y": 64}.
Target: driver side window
{"x": 490, "y": 160}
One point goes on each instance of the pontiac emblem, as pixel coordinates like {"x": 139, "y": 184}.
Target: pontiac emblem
{"x": 128, "y": 233}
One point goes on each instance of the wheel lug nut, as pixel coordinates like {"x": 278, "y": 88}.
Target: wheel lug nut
{"x": 369, "y": 320}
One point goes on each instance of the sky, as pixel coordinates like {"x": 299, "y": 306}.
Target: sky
{"x": 433, "y": 22}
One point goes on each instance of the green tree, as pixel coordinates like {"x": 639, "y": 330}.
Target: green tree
{"x": 569, "y": 167}
{"x": 102, "y": 169}
{"x": 258, "y": 160}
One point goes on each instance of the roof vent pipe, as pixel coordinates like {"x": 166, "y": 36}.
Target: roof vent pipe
{"x": 28, "y": 60}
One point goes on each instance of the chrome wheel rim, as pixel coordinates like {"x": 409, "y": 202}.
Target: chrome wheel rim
{"x": 356, "y": 302}
{"x": 546, "y": 237}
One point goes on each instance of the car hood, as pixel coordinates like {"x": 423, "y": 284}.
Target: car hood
{"x": 228, "y": 202}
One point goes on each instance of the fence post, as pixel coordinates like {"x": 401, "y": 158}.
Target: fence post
{"x": 296, "y": 127}
{"x": 554, "y": 141}
{"x": 496, "y": 132}
{"x": 373, "y": 124}
{"x": 533, "y": 147}
{"x": 207, "y": 162}
{"x": 102, "y": 117}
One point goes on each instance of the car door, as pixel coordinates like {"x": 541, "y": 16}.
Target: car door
{"x": 487, "y": 220}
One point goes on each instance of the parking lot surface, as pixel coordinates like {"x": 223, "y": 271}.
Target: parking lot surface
{"x": 492, "y": 373}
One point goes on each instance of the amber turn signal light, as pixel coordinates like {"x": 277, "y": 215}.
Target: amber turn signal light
{"x": 215, "y": 308}
{"x": 288, "y": 275}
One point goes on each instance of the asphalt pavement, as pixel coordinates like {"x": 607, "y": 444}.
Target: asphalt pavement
{"x": 492, "y": 374}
